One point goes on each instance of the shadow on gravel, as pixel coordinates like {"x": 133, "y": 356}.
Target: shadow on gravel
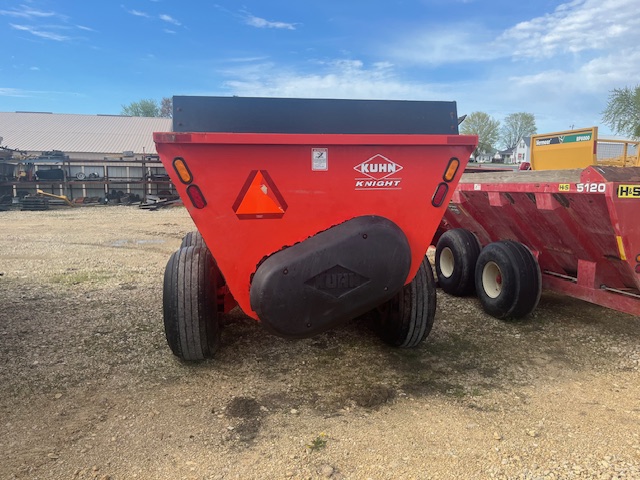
{"x": 467, "y": 356}
{"x": 351, "y": 368}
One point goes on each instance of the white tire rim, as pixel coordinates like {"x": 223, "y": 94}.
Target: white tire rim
{"x": 447, "y": 262}
{"x": 492, "y": 279}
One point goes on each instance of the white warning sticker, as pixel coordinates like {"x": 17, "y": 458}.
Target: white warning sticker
{"x": 319, "y": 159}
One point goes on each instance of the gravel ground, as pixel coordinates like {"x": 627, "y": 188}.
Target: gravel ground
{"x": 90, "y": 390}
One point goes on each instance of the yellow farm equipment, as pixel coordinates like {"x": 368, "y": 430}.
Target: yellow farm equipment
{"x": 581, "y": 148}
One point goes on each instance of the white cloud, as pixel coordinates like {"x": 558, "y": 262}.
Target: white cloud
{"x": 13, "y": 92}
{"x": 48, "y": 35}
{"x": 138, "y": 13}
{"x": 602, "y": 73}
{"x": 558, "y": 96}
{"x": 55, "y": 23}
{"x": 262, "y": 23}
{"x": 559, "y": 66}
{"x": 248, "y": 59}
{"x": 27, "y": 12}
{"x": 577, "y": 26}
{"x": 18, "y": 92}
{"x": 335, "y": 79}
{"x": 449, "y": 44}
{"x": 169, "y": 19}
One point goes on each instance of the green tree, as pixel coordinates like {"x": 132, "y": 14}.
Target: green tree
{"x": 517, "y": 126}
{"x": 486, "y": 127}
{"x": 143, "y": 108}
{"x": 166, "y": 107}
{"x": 623, "y": 111}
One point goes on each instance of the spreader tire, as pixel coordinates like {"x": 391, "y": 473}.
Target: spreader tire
{"x": 508, "y": 280}
{"x": 406, "y": 320}
{"x": 192, "y": 239}
{"x": 456, "y": 256}
{"x": 189, "y": 304}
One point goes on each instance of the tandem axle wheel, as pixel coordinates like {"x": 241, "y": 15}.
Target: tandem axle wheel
{"x": 505, "y": 275}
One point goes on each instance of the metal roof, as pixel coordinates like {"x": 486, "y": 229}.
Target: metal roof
{"x": 71, "y": 133}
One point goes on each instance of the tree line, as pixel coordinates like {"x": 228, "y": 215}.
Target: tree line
{"x": 149, "y": 108}
{"x": 622, "y": 115}
{"x": 491, "y": 134}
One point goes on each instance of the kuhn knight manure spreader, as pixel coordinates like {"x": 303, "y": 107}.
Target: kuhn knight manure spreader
{"x": 310, "y": 212}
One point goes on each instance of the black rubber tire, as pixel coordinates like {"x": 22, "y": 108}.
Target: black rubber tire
{"x": 406, "y": 320}
{"x": 508, "y": 280}
{"x": 457, "y": 252}
{"x": 189, "y": 304}
{"x": 192, "y": 239}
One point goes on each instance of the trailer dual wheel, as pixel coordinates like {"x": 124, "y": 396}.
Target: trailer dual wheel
{"x": 508, "y": 280}
{"x": 189, "y": 304}
{"x": 456, "y": 256}
{"x": 406, "y": 320}
{"x": 192, "y": 239}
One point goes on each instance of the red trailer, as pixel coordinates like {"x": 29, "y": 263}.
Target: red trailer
{"x": 576, "y": 232}
{"x": 309, "y": 213}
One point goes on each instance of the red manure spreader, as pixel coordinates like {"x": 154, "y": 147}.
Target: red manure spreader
{"x": 506, "y": 236}
{"x": 309, "y": 212}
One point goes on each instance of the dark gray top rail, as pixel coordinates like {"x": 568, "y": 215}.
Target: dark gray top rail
{"x": 317, "y": 116}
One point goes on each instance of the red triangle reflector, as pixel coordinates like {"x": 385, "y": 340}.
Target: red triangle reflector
{"x": 259, "y": 198}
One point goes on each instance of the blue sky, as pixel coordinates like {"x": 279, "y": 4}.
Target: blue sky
{"x": 555, "y": 59}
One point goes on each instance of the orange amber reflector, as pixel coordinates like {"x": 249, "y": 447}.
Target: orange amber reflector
{"x": 182, "y": 170}
{"x": 452, "y": 169}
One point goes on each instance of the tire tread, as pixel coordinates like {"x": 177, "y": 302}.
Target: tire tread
{"x": 408, "y": 317}
{"x": 521, "y": 276}
{"x": 465, "y": 248}
{"x": 189, "y": 304}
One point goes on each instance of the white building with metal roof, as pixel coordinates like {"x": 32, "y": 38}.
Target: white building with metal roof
{"x": 80, "y": 136}
{"x": 80, "y": 155}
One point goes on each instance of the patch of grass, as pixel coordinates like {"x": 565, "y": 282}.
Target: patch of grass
{"x": 453, "y": 345}
{"x": 77, "y": 278}
{"x": 456, "y": 391}
{"x": 317, "y": 443}
{"x": 374, "y": 396}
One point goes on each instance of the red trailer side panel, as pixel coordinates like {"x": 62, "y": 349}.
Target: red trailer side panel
{"x": 584, "y": 226}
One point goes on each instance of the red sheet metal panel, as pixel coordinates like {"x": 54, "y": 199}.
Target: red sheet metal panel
{"x": 585, "y": 231}
{"x": 263, "y": 192}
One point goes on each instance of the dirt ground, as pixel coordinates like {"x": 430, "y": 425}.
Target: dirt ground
{"x": 90, "y": 390}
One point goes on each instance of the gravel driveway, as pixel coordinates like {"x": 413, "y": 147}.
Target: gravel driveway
{"x": 90, "y": 390}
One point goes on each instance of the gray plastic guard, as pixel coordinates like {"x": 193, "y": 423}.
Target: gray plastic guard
{"x": 331, "y": 277}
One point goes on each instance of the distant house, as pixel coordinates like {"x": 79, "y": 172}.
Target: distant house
{"x": 523, "y": 151}
{"x": 484, "y": 157}
{"x": 505, "y": 156}
{"x": 495, "y": 156}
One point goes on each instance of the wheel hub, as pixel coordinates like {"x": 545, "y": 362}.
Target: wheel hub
{"x": 492, "y": 279}
{"x": 447, "y": 262}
